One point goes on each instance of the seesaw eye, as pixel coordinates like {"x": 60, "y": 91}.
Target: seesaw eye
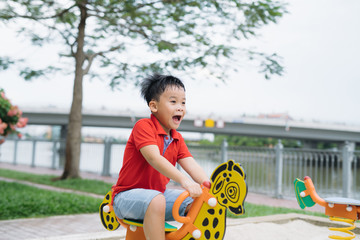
{"x": 233, "y": 192}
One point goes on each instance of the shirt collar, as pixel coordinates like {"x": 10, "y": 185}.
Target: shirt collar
{"x": 161, "y": 131}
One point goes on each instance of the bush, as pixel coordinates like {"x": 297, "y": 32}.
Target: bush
{"x": 10, "y": 117}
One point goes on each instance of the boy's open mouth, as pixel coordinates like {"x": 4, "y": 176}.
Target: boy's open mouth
{"x": 177, "y": 118}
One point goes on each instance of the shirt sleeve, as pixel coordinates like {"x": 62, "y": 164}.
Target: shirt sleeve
{"x": 144, "y": 134}
{"x": 183, "y": 149}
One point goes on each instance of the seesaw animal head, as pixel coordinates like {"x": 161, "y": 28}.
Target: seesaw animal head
{"x": 229, "y": 186}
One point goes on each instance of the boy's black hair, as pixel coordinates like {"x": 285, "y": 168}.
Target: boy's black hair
{"x": 153, "y": 86}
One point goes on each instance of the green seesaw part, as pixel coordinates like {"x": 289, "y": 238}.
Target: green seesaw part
{"x": 139, "y": 223}
{"x": 303, "y": 202}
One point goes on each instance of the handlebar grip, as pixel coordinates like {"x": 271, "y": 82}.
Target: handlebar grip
{"x": 176, "y": 207}
{"x": 188, "y": 225}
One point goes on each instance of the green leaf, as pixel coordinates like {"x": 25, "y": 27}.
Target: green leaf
{"x": 5, "y": 63}
{"x": 165, "y": 45}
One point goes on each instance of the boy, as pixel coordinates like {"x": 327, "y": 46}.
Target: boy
{"x": 151, "y": 153}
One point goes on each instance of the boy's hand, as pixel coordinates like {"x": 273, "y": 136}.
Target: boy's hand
{"x": 207, "y": 184}
{"x": 192, "y": 187}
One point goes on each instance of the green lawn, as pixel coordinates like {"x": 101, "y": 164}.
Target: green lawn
{"x": 22, "y": 201}
{"x": 84, "y": 185}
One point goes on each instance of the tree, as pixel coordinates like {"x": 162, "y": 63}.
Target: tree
{"x": 186, "y": 36}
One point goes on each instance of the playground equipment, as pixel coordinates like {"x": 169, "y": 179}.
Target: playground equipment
{"x": 344, "y": 210}
{"x": 207, "y": 215}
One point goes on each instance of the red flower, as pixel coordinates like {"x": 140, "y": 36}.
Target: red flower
{"x": 3, "y": 95}
{"x": 3, "y": 126}
{"x": 14, "y": 110}
{"x": 22, "y": 122}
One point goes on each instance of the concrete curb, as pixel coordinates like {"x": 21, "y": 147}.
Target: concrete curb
{"x": 116, "y": 235}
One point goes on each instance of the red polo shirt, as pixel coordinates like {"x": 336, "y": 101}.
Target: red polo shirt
{"x": 136, "y": 172}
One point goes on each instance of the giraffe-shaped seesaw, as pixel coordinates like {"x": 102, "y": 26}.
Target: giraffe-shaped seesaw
{"x": 206, "y": 218}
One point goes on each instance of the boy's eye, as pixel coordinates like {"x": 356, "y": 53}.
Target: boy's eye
{"x": 173, "y": 101}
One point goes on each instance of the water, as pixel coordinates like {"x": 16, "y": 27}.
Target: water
{"x": 91, "y": 159}
{"x": 324, "y": 167}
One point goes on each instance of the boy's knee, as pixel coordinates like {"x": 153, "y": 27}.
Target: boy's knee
{"x": 158, "y": 203}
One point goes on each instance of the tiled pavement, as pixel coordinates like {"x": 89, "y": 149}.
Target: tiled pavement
{"x": 82, "y": 226}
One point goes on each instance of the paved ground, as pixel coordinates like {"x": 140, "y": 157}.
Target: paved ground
{"x": 88, "y": 226}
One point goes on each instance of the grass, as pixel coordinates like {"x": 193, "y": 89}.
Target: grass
{"x": 22, "y": 201}
{"x": 84, "y": 185}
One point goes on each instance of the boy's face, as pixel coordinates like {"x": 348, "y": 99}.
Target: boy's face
{"x": 170, "y": 109}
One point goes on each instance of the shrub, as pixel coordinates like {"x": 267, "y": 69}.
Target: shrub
{"x": 10, "y": 118}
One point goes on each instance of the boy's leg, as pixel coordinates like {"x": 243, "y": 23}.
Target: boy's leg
{"x": 133, "y": 204}
{"x": 154, "y": 221}
{"x": 146, "y": 205}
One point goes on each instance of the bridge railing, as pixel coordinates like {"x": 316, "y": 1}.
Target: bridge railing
{"x": 334, "y": 172}
{"x": 270, "y": 171}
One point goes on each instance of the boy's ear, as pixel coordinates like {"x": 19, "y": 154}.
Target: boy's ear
{"x": 153, "y": 106}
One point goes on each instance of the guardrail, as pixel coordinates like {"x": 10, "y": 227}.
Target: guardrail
{"x": 270, "y": 171}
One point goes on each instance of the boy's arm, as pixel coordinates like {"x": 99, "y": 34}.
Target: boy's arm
{"x": 193, "y": 169}
{"x": 152, "y": 155}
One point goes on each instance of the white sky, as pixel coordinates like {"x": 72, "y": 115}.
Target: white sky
{"x": 319, "y": 41}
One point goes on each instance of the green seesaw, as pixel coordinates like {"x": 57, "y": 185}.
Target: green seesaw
{"x": 345, "y": 210}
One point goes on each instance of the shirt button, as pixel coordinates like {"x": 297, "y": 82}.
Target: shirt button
{"x": 167, "y": 138}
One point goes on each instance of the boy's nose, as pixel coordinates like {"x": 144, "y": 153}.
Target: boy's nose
{"x": 180, "y": 108}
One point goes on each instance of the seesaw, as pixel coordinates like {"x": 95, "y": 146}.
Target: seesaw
{"x": 206, "y": 218}
{"x": 345, "y": 210}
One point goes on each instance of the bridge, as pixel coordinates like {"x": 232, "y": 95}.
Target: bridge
{"x": 246, "y": 126}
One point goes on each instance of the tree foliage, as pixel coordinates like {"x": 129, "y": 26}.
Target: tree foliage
{"x": 126, "y": 40}
{"x": 182, "y": 35}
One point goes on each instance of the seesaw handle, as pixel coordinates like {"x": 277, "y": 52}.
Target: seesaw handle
{"x": 176, "y": 207}
{"x": 310, "y": 190}
{"x": 196, "y": 205}
{"x": 188, "y": 220}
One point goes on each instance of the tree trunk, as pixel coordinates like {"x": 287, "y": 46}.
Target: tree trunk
{"x": 73, "y": 140}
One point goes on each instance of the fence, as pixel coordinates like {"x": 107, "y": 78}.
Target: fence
{"x": 270, "y": 171}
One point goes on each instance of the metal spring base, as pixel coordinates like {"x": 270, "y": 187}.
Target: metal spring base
{"x": 346, "y": 230}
